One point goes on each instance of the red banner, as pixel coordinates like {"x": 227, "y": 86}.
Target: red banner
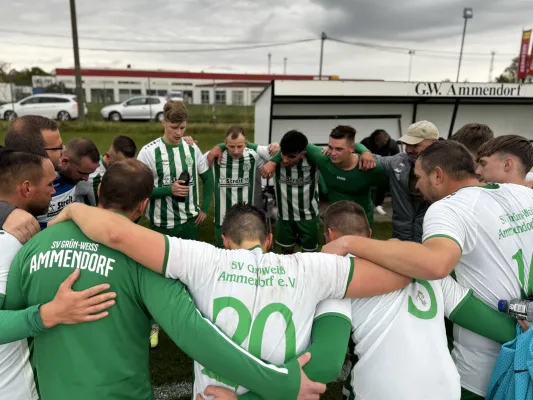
{"x": 530, "y": 63}
{"x": 522, "y": 60}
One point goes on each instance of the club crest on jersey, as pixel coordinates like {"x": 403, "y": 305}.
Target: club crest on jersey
{"x": 189, "y": 161}
{"x": 246, "y": 166}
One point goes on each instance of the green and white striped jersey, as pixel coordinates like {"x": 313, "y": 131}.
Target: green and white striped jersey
{"x": 94, "y": 180}
{"x": 297, "y": 191}
{"x": 167, "y": 162}
{"x": 235, "y": 179}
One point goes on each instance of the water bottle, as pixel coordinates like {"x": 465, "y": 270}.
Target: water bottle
{"x": 184, "y": 176}
{"x": 518, "y": 308}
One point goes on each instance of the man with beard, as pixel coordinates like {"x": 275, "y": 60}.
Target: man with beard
{"x": 481, "y": 232}
{"x": 72, "y": 164}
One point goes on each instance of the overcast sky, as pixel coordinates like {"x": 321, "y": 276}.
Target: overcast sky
{"x": 434, "y": 25}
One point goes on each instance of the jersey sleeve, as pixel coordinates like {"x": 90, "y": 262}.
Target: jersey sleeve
{"x": 453, "y": 293}
{"x": 262, "y": 152}
{"x": 5, "y": 210}
{"x": 190, "y": 261}
{"x": 441, "y": 220}
{"x": 328, "y": 275}
{"x": 341, "y": 308}
{"x": 9, "y": 246}
{"x": 201, "y": 160}
{"x": 83, "y": 188}
{"x": 171, "y": 306}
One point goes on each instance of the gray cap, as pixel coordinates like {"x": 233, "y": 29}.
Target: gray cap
{"x": 419, "y": 131}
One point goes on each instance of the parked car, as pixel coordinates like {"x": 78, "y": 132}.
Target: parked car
{"x": 63, "y": 107}
{"x": 139, "y": 107}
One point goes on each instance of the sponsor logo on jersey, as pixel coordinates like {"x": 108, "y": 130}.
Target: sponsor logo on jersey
{"x": 288, "y": 180}
{"x": 341, "y": 178}
{"x": 170, "y": 180}
{"x": 230, "y": 182}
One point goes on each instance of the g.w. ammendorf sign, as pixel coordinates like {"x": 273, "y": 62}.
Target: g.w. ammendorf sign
{"x": 448, "y": 89}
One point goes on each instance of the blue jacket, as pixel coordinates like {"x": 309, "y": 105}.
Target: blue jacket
{"x": 512, "y": 376}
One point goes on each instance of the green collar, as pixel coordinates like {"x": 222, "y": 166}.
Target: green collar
{"x": 171, "y": 145}
{"x": 103, "y": 162}
{"x": 255, "y": 247}
{"x": 490, "y": 186}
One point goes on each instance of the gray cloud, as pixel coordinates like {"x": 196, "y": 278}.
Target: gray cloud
{"x": 415, "y": 20}
{"x": 169, "y": 25}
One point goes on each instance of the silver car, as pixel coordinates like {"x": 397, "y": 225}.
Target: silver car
{"x": 139, "y": 107}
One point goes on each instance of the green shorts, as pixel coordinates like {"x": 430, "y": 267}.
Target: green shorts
{"x": 468, "y": 395}
{"x": 189, "y": 230}
{"x": 218, "y": 237}
{"x": 304, "y": 233}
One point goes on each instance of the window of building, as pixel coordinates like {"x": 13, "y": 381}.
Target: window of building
{"x": 220, "y": 97}
{"x": 151, "y": 92}
{"x": 237, "y": 97}
{"x": 102, "y": 96}
{"x": 204, "y": 94}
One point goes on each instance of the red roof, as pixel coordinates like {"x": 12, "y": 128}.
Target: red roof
{"x": 183, "y": 75}
{"x": 238, "y": 84}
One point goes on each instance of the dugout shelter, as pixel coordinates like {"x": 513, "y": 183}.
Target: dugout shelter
{"x": 316, "y": 107}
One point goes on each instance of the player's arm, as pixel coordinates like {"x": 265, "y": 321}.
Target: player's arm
{"x": 19, "y": 223}
{"x": 329, "y": 340}
{"x": 145, "y": 246}
{"x": 172, "y": 307}
{"x": 378, "y": 175}
{"x": 464, "y": 309}
{"x": 435, "y": 258}
{"x": 68, "y": 307}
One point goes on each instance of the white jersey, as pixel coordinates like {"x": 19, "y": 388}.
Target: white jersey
{"x": 235, "y": 179}
{"x": 16, "y": 374}
{"x": 66, "y": 193}
{"x": 493, "y": 225}
{"x": 167, "y": 162}
{"x": 265, "y": 302}
{"x": 400, "y": 339}
{"x": 94, "y": 181}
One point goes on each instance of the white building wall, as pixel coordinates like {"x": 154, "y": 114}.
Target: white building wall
{"x": 140, "y": 86}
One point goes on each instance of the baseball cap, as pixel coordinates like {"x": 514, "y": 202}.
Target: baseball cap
{"x": 419, "y": 131}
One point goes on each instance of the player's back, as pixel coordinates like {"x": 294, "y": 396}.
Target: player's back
{"x": 493, "y": 225}
{"x": 265, "y": 302}
{"x": 400, "y": 340}
{"x": 106, "y": 359}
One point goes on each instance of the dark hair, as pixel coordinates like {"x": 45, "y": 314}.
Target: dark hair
{"x": 244, "y": 221}
{"x": 514, "y": 145}
{"x": 346, "y": 218}
{"x": 293, "y": 142}
{"x": 452, "y": 157}
{"x": 124, "y": 145}
{"x": 79, "y": 148}
{"x": 472, "y": 136}
{"x": 343, "y": 132}
{"x": 24, "y": 134}
{"x": 233, "y": 132}
{"x": 378, "y": 132}
{"x": 17, "y": 167}
{"x": 126, "y": 184}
